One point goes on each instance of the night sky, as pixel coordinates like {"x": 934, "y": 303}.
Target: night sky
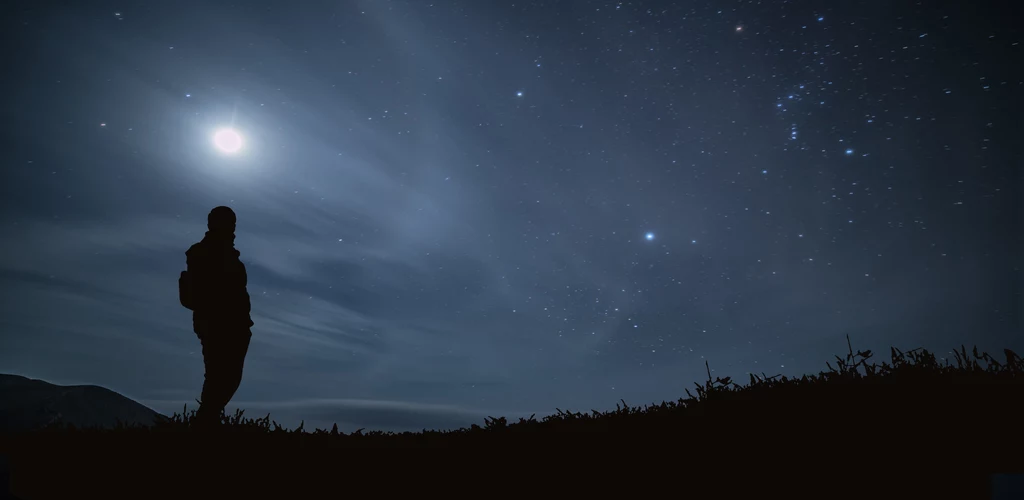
{"x": 450, "y": 210}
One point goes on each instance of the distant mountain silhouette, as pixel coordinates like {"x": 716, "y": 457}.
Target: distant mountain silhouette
{"x": 27, "y": 404}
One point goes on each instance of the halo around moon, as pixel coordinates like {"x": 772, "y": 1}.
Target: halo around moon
{"x": 227, "y": 140}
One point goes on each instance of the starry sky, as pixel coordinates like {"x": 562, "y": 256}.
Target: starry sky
{"x": 454, "y": 209}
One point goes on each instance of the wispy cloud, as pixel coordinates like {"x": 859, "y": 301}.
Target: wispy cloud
{"x": 353, "y": 414}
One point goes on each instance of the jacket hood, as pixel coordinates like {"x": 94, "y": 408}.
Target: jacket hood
{"x": 207, "y": 244}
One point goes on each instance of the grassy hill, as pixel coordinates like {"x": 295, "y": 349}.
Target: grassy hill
{"x": 939, "y": 428}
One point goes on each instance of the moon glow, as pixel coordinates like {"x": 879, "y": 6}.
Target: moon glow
{"x": 227, "y": 140}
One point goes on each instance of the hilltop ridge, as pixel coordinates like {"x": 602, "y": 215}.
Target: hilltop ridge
{"x": 27, "y": 404}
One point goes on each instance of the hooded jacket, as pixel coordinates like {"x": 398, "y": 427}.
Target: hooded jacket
{"x": 218, "y": 284}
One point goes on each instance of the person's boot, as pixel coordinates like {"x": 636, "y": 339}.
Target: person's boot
{"x": 205, "y": 420}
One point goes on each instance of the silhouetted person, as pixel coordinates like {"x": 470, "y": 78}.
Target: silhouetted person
{"x": 213, "y": 287}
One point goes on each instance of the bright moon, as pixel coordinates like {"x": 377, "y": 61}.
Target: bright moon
{"x": 227, "y": 140}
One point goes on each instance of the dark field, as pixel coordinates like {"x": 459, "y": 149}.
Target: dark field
{"x": 911, "y": 426}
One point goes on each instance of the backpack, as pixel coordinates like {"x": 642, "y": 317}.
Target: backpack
{"x": 185, "y": 291}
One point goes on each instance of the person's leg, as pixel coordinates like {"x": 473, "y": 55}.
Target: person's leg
{"x": 234, "y": 361}
{"x": 212, "y": 400}
{"x": 224, "y": 357}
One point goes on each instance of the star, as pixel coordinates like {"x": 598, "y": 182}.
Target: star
{"x": 519, "y": 93}
{"x": 649, "y": 236}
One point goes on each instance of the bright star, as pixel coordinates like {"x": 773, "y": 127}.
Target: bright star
{"x": 649, "y": 236}
{"x": 849, "y": 151}
{"x": 519, "y": 93}
{"x": 227, "y": 140}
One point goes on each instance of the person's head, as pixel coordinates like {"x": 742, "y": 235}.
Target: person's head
{"x": 221, "y": 221}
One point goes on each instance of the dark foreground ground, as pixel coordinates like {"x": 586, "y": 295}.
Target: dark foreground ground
{"x": 913, "y": 427}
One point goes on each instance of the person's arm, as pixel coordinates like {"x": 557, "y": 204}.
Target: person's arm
{"x": 243, "y": 305}
{"x": 245, "y": 290}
